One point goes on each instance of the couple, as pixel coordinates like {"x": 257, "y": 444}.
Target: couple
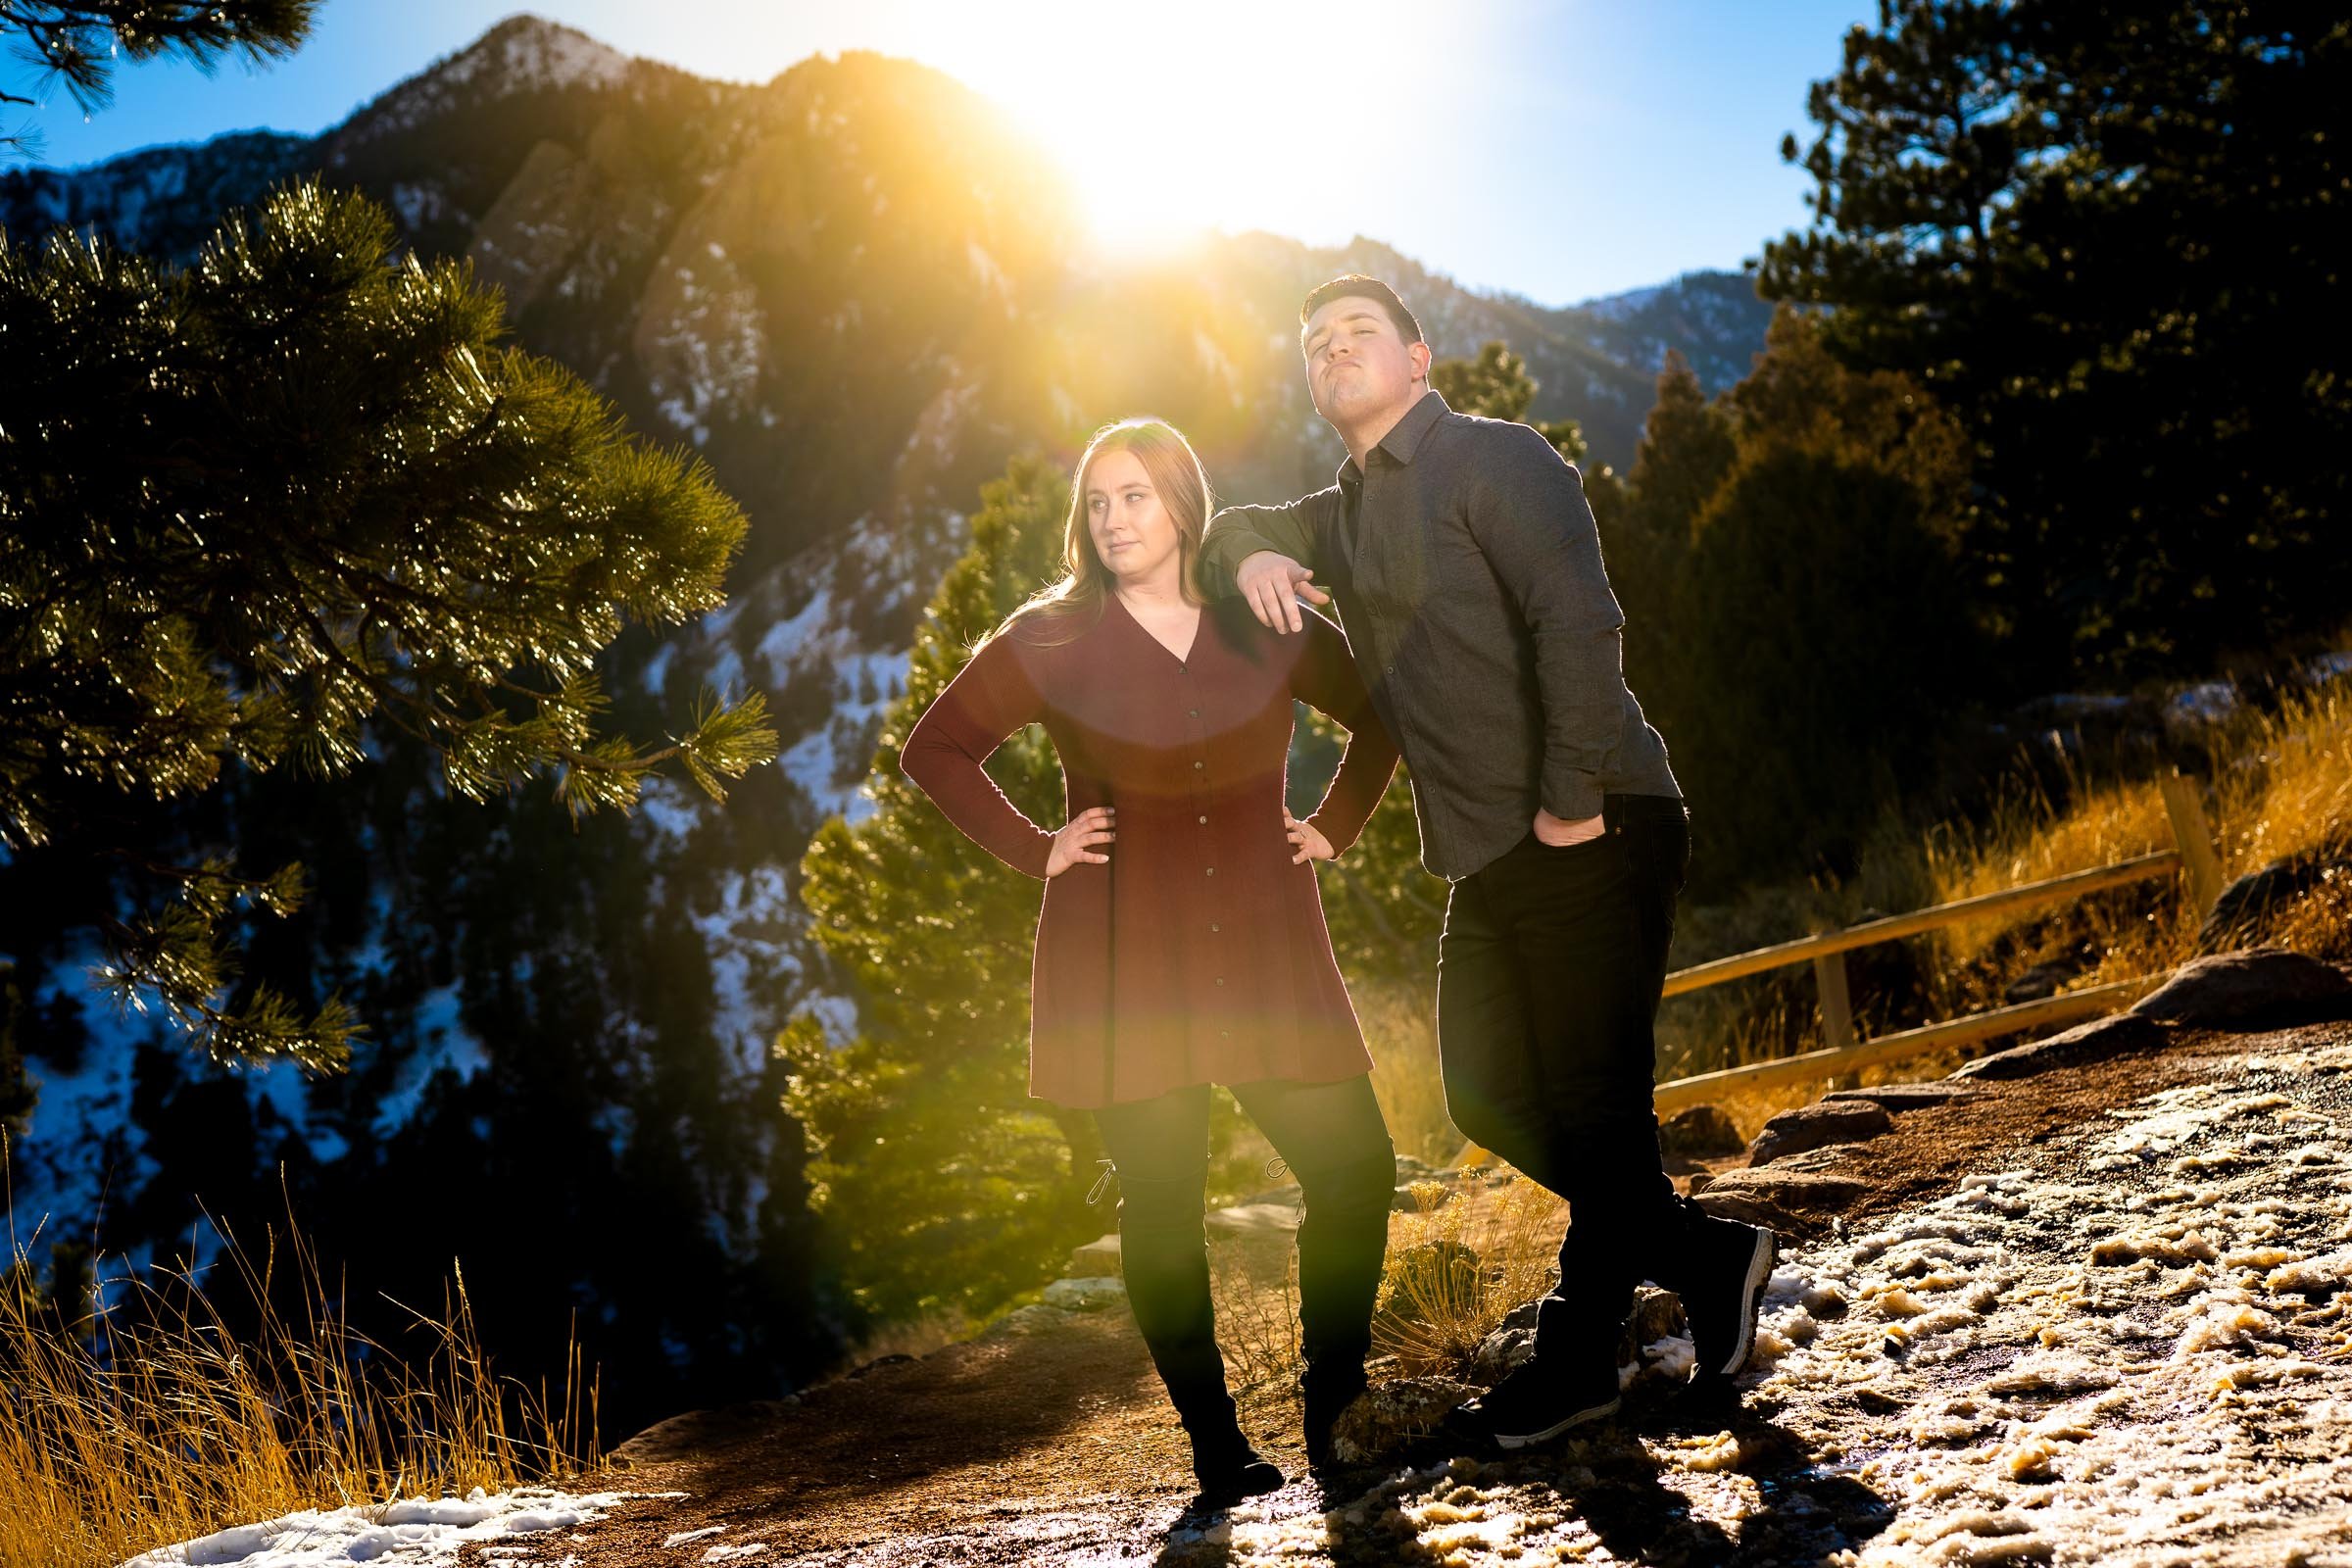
{"x": 1183, "y": 944}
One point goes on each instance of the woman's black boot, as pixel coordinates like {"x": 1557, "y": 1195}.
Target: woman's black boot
{"x": 1164, "y": 1256}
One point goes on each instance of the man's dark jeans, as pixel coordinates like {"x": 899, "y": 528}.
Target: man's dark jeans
{"x": 1549, "y": 978}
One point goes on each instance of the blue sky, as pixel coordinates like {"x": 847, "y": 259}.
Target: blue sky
{"x": 1555, "y": 150}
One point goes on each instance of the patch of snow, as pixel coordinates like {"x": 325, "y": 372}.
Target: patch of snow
{"x": 2081, "y": 1362}
{"x": 2206, "y": 703}
{"x": 414, "y": 1531}
{"x": 443, "y": 1044}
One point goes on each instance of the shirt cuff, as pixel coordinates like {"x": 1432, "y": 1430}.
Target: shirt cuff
{"x": 1571, "y": 794}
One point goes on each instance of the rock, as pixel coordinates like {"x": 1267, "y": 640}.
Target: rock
{"x": 1774, "y": 1198}
{"x": 2042, "y": 980}
{"x": 1258, "y": 1219}
{"x": 1699, "y": 1132}
{"x": 2095, "y": 1040}
{"x": 1097, "y": 1260}
{"x": 1089, "y": 1295}
{"x": 1511, "y": 1342}
{"x": 1815, "y": 1126}
{"x": 2249, "y": 987}
{"x": 1657, "y": 1315}
{"x": 1032, "y": 1319}
{"x": 1410, "y": 1170}
{"x": 1900, "y": 1097}
{"x": 2246, "y": 903}
{"x": 1387, "y": 1416}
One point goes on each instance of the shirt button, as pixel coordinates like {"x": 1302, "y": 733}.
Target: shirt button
{"x": 1196, "y": 767}
{"x": 1212, "y": 870}
{"x": 1196, "y": 713}
{"x": 1220, "y": 979}
{"x": 1224, "y": 1034}
{"x": 1204, "y": 821}
{"x": 1213, "y": 926}
{"x": 1389, "y": 671}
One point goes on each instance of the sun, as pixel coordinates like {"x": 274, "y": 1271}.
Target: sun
{"x": 1218, "y": 115}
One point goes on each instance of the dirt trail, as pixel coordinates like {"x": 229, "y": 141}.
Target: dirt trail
{"x": 1889, "y": 1418}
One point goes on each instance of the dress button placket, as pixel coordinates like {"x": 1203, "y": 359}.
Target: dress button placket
{"x": 1200, "y": 748}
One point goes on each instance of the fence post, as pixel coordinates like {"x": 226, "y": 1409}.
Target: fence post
{"x": 1837, "y": 1007}
{"x": 2187, "y": 813}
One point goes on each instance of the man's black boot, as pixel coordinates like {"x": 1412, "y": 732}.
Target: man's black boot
{"x": 1549, "y": 1395}
{"x": 1721, "y": 1276}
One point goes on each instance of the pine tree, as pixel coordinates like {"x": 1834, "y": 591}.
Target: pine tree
{"x": 253, "y": 514}
{"x": 1496, "y": 385}
{"x": 78, "y": 42}
{"x": 946, "y": 1185}
{"x": 2106, "y": 237}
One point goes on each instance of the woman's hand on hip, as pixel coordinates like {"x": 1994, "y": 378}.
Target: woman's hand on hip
{"x": 1077, "y": 840}
{"x": 1309, "y": 839}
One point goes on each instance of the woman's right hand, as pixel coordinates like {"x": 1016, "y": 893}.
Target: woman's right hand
{"x": 1077, "y": 839}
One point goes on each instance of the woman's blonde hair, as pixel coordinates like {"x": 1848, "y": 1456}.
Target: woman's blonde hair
{"x": 1069, "y": 607}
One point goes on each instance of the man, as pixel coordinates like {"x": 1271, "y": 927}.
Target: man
{"x": 1464, "y": 559}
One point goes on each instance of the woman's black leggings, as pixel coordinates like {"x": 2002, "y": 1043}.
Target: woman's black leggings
{"x": 1337, "y": 1145}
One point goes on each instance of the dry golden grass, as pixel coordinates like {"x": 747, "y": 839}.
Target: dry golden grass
{"x": 1456, "y": 1267}
{"x": 1401, "y": 1026}
{"x": 1258, "y": 1323}
{"x": 147, "y": 1419}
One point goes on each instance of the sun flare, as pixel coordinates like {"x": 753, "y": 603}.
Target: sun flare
{"x": 1170, "y": 122}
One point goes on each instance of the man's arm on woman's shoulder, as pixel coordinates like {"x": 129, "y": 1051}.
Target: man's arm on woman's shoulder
{"x": 1296, "y": 528}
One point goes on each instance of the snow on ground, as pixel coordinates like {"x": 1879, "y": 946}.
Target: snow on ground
{"x": 2137, "y": 1356}
{"x": 2133, "y": 1350}
{"x": 518, "y": 1530}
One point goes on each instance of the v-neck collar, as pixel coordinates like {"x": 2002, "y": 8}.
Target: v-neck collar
{"x": 1183, "y": 660}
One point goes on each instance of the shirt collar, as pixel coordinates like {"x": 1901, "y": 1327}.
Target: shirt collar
{"x": 1405, "y": 436}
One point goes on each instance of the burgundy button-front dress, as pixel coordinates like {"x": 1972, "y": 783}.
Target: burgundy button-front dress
{"x": 1199, "y": 953}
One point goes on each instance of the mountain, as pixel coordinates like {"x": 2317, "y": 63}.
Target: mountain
{"x": 855, "y": 292}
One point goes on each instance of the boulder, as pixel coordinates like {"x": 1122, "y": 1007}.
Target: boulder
{"x": 1501, "y": 1352}
{"x": 1816, "y": 1126}
{"x": 1900, "y": 1097}
{"x": 1776, "y": 1197}
{"x": 1097, "y": 1260}
{"x": 1699, "y": 1132}
{"x": 2095, "y": 1040}
{"x": 1035, "y": 1318}
{"x": 1089, "y": 1295}
{"x": 2254, "y": 986}
{"x": 1387, "y": 1417}
{"x": 1253, "y": 1219}
{"x": 2246, "y": 904}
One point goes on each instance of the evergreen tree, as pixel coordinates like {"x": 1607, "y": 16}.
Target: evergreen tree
{"x": 945, "y": 1184}
{"x": 1808, "y": 652}
{"x": 78, "y": 42}
{"x": 1496, "y": 385}
{"x": 268, "y": 509}
{"x": 2107, "y": 238}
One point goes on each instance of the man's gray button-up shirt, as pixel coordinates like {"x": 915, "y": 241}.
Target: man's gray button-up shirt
{"x": 1464, "y": 562}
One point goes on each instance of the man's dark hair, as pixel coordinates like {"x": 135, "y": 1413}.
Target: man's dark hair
{"x": 1355, "y": 285}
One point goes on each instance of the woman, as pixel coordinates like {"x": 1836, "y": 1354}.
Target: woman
{"x": 1195, "y": 952}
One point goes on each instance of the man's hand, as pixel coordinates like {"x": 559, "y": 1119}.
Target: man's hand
{"x": 1558, "y": 832}
{"x": 1273, "y": 583}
